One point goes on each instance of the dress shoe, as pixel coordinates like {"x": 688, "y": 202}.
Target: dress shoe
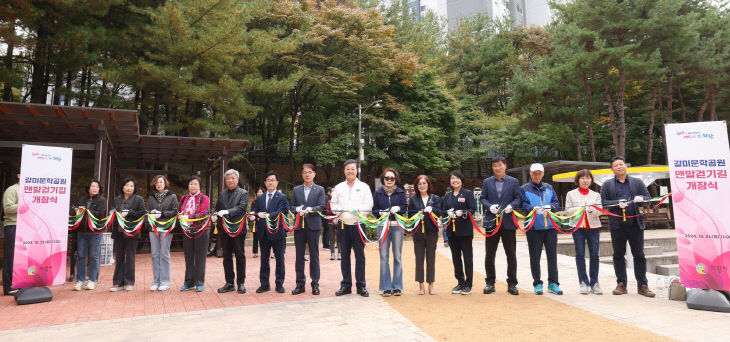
{"x": 315, "y": 289}
{"x": 343, "y": 291}
{"x": 644, "y": 291}
{"x": 466, "y": 290}
{"x": 363, "y": 291}
{"x": 279, "y": 288}
{"x": 228, "y": 287}
{"x": 298, "y": 290}
{"x": 263, "y": 289}
{"x": 620, "y": 289}
{"x": 513, "y": 290}
{"x": 241, "y": 289}
{"x": 489, "y": 289}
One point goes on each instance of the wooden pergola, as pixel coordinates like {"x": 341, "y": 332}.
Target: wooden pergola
{"x": 110, "y": 137}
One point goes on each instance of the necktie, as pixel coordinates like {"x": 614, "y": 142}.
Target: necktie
{"x": 268, "y": 197}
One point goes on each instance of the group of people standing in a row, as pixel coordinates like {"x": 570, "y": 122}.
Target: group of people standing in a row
{"x": 500, "y": 196}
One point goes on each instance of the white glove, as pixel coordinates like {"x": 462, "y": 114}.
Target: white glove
{"x": 494, "y": 209}
{"x": 622, "y": 204}
{"x": 222, "y": 212}
{"x": 214, "y": 218}
{"x": 638, "y": 199}
{"x": 299, "y": 208}
{"x": 251, "y": 217}
{"x": 538, "y": 210}
{"x": 395, "y": 209}
{"x": 508, "y": 209}
{"x": 427, "y": 209}
{"x": 547, "y": 207}
{"x": 263, "y": 215}
{"x": 155, "y": 214}
{"x": 184, "y": 217}
{"x": 450, "y": 212}
{"x": 589, "y": 209}
{"x": 308, "y": 210}
{"x": 112, "y": 211}
{"x": 125, "y": 212}
{"x": 459, "y": 213}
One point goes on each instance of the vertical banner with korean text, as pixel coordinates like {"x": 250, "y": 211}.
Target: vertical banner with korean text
{"x": 43, "y": 206}
{"x": 698, "y": 153}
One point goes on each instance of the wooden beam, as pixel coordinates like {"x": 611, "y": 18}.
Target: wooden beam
{"x": 19, "y": 144}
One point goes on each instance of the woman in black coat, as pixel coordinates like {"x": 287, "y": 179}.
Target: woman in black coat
{"x": 89, "y": 239}
{"x": 131, "y": 207}
{"x": 427, "y": 233}
{"x": 458, "y": 204}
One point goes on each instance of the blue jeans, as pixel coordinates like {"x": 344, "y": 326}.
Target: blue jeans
{"x": 446, "y": 238}
{"x": 580, "y": 236}
{"x": 160, "y": 249}
{"x": 88, "y": 244}
{"x": 395, "y": 239}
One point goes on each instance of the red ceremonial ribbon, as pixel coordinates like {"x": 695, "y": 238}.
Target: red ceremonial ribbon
{"x": 205, "y": 227}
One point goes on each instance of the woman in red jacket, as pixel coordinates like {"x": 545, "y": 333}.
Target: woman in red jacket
{"x": 195, "y": 242}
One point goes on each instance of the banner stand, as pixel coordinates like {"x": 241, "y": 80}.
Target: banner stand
{"x": 708, "y": 300}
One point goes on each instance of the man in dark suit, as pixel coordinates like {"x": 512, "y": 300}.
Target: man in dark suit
{"x": 500, "y": 193}
{"x": 307, "y": 199}
{"x": 271, "y": 204}
{"x": 231, "y": 205}
{"x": 624, "y": 194}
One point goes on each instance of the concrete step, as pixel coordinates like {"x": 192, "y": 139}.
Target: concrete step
{"x": 652, "y": 261}
{"x": 668, "y": 270}
{"x": 668, "y": 244}
{"x": 605, "y": 249}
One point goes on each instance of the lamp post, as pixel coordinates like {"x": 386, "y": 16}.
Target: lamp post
{"x": 360, "y": 152}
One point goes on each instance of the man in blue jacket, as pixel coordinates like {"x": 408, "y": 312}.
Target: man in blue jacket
{"x": 623, "y": 195}
{"x": 307, "y": 200}
{"x": 271, "y": 204}
{"x": 541, "y": 198}
{"x": 500, "y": 193}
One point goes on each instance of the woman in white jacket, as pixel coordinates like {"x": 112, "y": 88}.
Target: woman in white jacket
{"x": 588, "y": 231}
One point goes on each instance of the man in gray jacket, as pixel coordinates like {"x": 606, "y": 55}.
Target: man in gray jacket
{"x": 232, "y": 203}
{"x": 307, "y": 200}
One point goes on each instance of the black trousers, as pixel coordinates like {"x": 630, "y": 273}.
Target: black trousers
{"x": 325, "y": 235}
{"x": 8, "y": 257}
{"x": 425, "y": 247}
{"x": 333, "y": 237}
{"x": 278, "y": 246}
{"x": 349, "y": 239}
{"x": 509, "y": 243}
{"x": 195, "y": 256}
{"x": 535, "y": 240}
{"x": 125, "y": 250}
{"x": 635, "y": 237}
{"x": 461, "y": 247}
{"x": 302, "y": 239}
{"x": 233, "y": 246}
{"x": 255, "y": 244}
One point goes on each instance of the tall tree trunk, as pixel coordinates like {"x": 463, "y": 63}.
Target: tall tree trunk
{"x": 69, "y": 82}
{"x": 612, "y": 118}
{"x": 57, "y": 86}
{"x": 591, "y": 140}
{"x": 578, "y": 152}
{"x": 87, "y": 99}
{"x": 701, "y": 113}
{"x": 155, "y": 114}
{"x": 681, "y": 103}
{"x": 713, "y": 113}
{"x": 670, "y": 93}
{"x": 38, "y": 89}
{"x": 660, "y": 98}
{"x": 8, "y": 86}
{"x": 621, "y": 114}
{"x": 650, "y": 149}
{"x": 82, "y": 87}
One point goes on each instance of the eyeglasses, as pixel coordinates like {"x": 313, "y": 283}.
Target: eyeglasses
{"x": 307, "y": 172}
{"x": 389, "y": 179}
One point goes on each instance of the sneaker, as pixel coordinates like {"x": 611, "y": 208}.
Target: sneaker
{"x": 446, "y": 244}
{"x": 79, "y": 285}
{"x": 154, "y": 287}
{"x": 306, "y": 258}
{"x": 386, "y": 293}
{"x": 128, "y": 287}
{"x": 457, "y": 289}
{"x": 115, "y": 288}
{"x": 272, "y": 256}
{"x": 186, "y": 287}
{"x": 596, "y": 289}
{"x": 538, "y": 289}
{"x": 554, "y": 288}
{"x": 332, "y": 257}
{"x": 584, "y": 288}
{"x": 339, "y": 256}
{"x": 163, "y": 288}
{"x": 466, "y": 290}
{"x": 90, "y": 285}
{"x": 199, "y": 288}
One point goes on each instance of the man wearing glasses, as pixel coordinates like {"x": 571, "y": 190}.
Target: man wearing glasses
{"x": 307, "y": 200}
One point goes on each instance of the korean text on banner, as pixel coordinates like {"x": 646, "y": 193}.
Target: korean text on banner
{"x": 698, "y": 153}
{"x": 43, "y": 202}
